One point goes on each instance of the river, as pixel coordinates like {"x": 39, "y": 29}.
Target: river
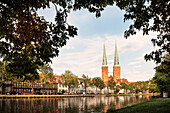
{"x": 98, "y": 104}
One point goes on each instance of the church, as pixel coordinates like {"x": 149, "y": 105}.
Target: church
{"x": 116, "y": 69}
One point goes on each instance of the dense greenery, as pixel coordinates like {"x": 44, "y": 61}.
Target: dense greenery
{"x": 162, "y": 75}
{"x": 47, "y": 77}
{"x": 160, "y": 105}
{"x": 69, "y": 79}
{"x": 2, "y": 75}
{"x": 86, "y": 81}
{"x": 111, "y": 84}
{"x": 98, "y": 83}
{"x": 28, "y": 40}
{"x": 149, "y": 15}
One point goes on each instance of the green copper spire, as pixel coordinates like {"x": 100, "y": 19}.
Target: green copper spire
{"x": 116, "y": 60}
{"x": 104, "y": 57}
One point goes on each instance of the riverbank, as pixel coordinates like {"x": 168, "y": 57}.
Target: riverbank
{"x": 160, "y": 105}
{"x": 60, "y": 96}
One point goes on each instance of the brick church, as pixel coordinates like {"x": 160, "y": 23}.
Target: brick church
{"x": 116, "y": 69}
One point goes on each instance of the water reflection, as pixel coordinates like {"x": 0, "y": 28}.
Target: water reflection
{"x": 69, "y": 105}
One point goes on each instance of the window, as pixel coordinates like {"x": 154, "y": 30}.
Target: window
{"x": 15, "y": 84}
{"x": 7, "y": 89}
{"x": 8, "y": 82}
{"x": 24, "y": 84}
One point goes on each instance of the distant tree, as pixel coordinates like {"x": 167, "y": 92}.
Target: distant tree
{"x": 47, "y": 72}
{"x": 69, "y": 79}
{"x": 111, "y": 84}
{"x": 132, "y": 87}
{"x": 102, "y": 86}
{"x": 153, "y": 86}
{"x": 117, "y": 89}
{"x": 162, "y": 75}
{"x": 124, "y": 86}
{"x": 98, "y": 83}
{"x": 86, "y": 81}
{"x": 3, "y": 78}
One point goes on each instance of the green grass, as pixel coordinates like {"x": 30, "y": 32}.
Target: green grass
{"x": 160, "y": 105}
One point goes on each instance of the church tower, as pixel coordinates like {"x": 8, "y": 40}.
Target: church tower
{"x": 116, "y": 67}
{"x": 104, "y": 67}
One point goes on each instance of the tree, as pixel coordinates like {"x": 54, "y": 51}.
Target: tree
{"x": 98, "y": 82}
{"x": 117, "y": 89}
{"x": 111, "y": 84}
{"x": 47, "y": 72}
{"x": 102, "y": 86}
{"x": 86, "y": 81}
{"x": 149, "y": 15}
{"x": 162, "y": 75}
{"x": 124, "y": 86}
{"x": 28, "y": 40}
{"x": 69, "y": 79}
{"x": 2, "y": 75}
{"x": 153, "y": 86}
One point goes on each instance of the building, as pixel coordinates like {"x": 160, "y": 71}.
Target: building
{"x": 116, "y": 68}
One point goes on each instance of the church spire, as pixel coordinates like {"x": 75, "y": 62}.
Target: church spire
{"x": 116, "y": 60}
{"x": 104, "y": 57}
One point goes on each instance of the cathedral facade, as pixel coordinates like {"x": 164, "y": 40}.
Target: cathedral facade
{"x": 116, "y": 68}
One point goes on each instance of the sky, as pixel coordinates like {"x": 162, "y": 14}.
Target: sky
{"x": 83, "y": 54}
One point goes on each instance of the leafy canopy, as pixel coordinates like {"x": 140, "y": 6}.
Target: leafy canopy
{"x": 86, "y": 81}
{"x": 111, "y": 83}
{"x": 69, "y": 79}
{"x": 162, "y": 75}
{"x": 27, "y": 39}
{"x": 98, "y": 82}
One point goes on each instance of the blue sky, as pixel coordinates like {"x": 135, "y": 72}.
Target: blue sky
{"x": 83, "y": 54}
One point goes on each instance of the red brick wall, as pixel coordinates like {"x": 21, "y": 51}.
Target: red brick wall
{"x": 116, "y": 73}
{"x": 105, "y": 73}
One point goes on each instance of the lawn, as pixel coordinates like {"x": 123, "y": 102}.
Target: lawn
{"x": 160, "y": 105}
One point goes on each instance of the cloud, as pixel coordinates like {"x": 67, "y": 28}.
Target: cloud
{"x": 84, "y": 56}
{"x": 133, "y": 63}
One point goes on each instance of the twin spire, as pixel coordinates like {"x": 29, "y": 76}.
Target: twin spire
{"x": 116, "y": 60}
{"x": 104, "y": 57}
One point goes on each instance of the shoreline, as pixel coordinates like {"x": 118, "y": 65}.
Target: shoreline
{"x": 66, "y": 96}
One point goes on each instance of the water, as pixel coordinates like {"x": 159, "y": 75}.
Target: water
{"x": 98, "y": 104}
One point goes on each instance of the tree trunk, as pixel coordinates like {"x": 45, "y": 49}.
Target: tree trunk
{"x": 96, "y": 90}
{"x": 85, "y": 89}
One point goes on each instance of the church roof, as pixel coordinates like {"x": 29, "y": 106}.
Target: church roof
{"x": 104, "y": 57}
{"x": 116, "y": 60}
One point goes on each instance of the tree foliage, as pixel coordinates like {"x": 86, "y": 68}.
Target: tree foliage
{"x": 86, "y": 81}
{"x": 69, "y": 79}
{"x": 149, "y": 15}
{"x": 98, "y": 82}
{"x": 162, "y": 75}
{"x": 111, "y": 84}
{"x": 28, "y": 40}
{"x": 47, "y": 73}
{"x": 153, "y": 85}
{"x": 2, "y": 75}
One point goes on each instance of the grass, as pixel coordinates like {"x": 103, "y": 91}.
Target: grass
{"x": 160, "y": 105}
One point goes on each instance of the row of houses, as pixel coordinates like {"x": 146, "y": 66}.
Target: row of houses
{"x": 55, "y": 88}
